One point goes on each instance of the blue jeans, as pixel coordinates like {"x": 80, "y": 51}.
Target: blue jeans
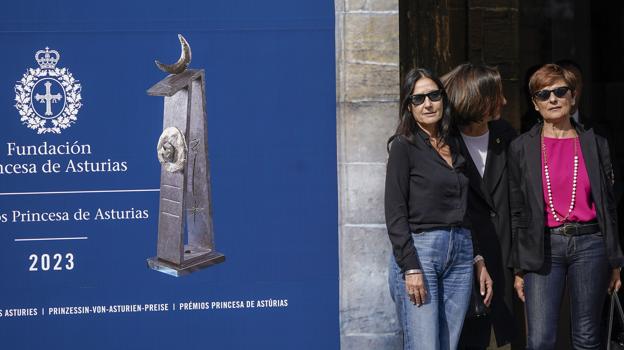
{"x": 582, "y": 262}
{"x": 446, "y": 260}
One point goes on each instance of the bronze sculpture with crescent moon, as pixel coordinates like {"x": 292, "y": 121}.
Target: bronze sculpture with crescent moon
{"x": 185, "y": 231}
{"x": 183, "y": 61}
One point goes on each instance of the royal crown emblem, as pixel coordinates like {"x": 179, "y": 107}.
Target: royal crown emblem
{"x": 48, "y": 98}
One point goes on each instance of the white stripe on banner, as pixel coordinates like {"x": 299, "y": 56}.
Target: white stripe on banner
{"x": 50, "y": 239}
{"x": 77, "y": 192}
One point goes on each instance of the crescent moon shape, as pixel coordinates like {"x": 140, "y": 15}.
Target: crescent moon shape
{"x": 183, "y": 61}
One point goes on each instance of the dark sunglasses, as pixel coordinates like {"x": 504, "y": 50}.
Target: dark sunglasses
{"x": 544, "y": 95}
{"x": 420, "y": 98}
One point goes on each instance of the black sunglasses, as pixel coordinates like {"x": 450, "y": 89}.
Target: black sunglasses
{"x": 420, "y": 98}
{"x": 544, "y": 95}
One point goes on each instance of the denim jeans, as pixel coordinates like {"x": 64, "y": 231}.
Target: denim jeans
{"x": 446, "y": 260}
{"x": 582, "y": 262}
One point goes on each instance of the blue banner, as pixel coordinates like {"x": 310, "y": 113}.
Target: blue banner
{"x": 80, "y": 178}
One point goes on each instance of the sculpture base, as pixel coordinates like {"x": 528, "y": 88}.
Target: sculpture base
{"x": 195, "y": 264}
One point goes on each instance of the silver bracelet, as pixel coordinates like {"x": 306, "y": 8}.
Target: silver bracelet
{"x": 413, "y": 272}
{"x": 477, "y": 259}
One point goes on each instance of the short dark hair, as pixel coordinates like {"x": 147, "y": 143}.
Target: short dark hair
{"x": 574, "y": 68}
{"x": 475, "y": 91}
{"x": 568, "y": 63}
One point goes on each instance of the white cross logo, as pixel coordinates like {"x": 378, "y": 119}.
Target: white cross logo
{"x": 48, "y": 98}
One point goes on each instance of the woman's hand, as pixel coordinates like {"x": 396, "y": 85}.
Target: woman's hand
{"x": 519, "y": 286}
{"x": 615, "y": 283}
{"x": 415, "y": 285}
{"x": 485, "y": 282}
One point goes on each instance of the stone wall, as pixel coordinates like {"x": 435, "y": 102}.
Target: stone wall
{"x": 367, "y": 60}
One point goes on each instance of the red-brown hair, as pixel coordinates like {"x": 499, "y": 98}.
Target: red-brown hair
{"x": 548, "y": 74}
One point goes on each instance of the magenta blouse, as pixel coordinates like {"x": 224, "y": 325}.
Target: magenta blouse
{"x": 560, "y": 153}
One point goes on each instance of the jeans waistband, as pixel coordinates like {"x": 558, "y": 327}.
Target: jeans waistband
{"x": 441, "y": 228}
{"x": 575, "y": 229}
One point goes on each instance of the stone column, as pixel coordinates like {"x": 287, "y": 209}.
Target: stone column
{"x": 367, "y": 62}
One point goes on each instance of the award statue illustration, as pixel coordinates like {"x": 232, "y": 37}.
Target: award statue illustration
{"x": 185, "y": 233}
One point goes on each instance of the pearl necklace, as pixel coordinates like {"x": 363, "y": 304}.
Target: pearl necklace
{"x": 574, "y": 180}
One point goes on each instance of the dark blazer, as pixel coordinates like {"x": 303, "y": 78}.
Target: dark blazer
{"x": 488, "y": 210}
{"x": 527, "y": 199}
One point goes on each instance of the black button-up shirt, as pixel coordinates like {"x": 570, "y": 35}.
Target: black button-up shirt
{"x": 422, "y": 192}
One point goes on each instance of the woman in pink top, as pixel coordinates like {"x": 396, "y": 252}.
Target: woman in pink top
{"x": 563, "y": 217}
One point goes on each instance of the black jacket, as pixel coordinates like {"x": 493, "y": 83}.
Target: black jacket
{"x": 527, "y": 201}
{"x": 488, "y": 209}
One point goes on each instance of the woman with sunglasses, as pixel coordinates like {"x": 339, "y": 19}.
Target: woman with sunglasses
{"x": 425, "y": 204}
{"x": 563, "y": 217}
{"x": 476, "y": 95}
